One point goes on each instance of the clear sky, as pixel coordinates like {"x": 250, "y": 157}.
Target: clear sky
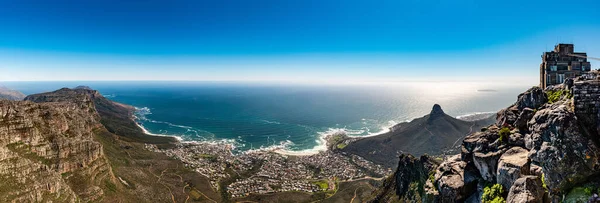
{"x": 279, "y": 40}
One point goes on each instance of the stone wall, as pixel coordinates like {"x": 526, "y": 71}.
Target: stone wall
{"x": 586, "y": 98}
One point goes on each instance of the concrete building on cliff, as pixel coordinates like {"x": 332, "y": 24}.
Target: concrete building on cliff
{"x": 562, "y": 63}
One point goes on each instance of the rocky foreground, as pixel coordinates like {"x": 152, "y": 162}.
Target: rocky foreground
{"x": 538, "y": 150}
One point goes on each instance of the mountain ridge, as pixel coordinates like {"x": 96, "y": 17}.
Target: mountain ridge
{"x": 6, "y": 93}
{"x": 435, "y": 133}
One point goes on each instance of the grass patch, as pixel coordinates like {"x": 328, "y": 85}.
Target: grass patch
{"x": 555, "y": 95}
{"x": 341, "y": 145}
{"x": 578, "y": 194}
{"x": 544, "y": 183}
{"x": 503, "y": 133}
{"x": 323, "y": 184}
{"x": 493, "y": 194}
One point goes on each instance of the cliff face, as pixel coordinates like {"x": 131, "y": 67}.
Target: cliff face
{"x": 74, "y": 145}
{"x": 537, "y": 151}
{"x": 115, "y": 117}
{"x": 47, "y": 152}
{"x": 410, "y": 183}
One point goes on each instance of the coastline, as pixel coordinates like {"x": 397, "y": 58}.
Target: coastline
{"x": 283, "y": 147}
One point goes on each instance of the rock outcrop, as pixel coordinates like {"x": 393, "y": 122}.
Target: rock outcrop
{"x": 48, "y": 151}
{"x": 527, "y": 189}
{"x": 412, "y": 182}
{"x": 538, "y": 150}
{"x": 513, "y": 164}
{"x": 115, "y": 117}
{"x": 450, "y": 180}
{"x": 74, "y": 145}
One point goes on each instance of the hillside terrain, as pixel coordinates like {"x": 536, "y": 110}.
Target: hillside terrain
{"x": 435, "y": 134}
{"x": 9, "y": 94}
{"x": 74, "y": 145}
{"x": 538, "y": 150}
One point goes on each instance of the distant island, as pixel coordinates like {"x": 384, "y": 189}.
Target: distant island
{"x": 487, "y": 90}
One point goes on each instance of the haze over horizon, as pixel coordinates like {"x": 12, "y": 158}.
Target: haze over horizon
{"x": 277, "y": 41}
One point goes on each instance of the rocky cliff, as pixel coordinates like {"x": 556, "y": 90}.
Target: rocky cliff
{"x": 537, "y": 151}
{"x": 47, "y": 153}
{"x": 74, "y": 145}
{"x": 116, "y": 117}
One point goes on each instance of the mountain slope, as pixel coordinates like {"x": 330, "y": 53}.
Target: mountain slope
{"x": 434, "y": 133}
{"x": 60, "y": 150}
{"x": 9, "y": 94}
{"x": 48, "y": 153}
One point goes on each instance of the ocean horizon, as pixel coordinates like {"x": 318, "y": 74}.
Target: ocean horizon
{"x": 294, "y": 118}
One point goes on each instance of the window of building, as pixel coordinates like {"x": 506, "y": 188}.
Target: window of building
{"x": 553, "y": 68}
{"x": 560, "y": 78}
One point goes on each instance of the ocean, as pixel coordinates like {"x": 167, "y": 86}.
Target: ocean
{"x": 293, "y": 117}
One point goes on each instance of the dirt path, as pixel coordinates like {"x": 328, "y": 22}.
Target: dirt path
{"x": 354, "y": 197}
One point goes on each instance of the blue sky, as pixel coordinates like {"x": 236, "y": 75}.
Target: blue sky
{"x": 305, "y": 41}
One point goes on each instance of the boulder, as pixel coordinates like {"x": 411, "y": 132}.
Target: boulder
{"x": 507, "y": 117}
{"x": 487, "y": 164}
{"x": 527, "y": 189}
{"x": 516, "y": 139}
{"x": 450, "y": 180}
{"x": 557, "y": 144}
{"x": 483, "y": 149}
{"x": 482, "y": 142}
{"x": 524, "y": 116}
{"x": 513, "y": 164}
{"x": 535, "y": 170}
{"x": 532, "y": 98}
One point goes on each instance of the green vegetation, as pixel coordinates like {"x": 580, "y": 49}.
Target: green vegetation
{"x": 504, "y": 133}
{"x": 578, "y": 194}
{"x": 555, "y": 95}
{"x": 432, "y": 178}
{"x": 544, "y": 182}
{"x": 323, "y": 185}
{"x": 493, "y": 194}
{"x": 341, "y": 145}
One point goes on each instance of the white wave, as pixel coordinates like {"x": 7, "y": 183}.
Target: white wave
{"x": 270, "y": 122}
{"x": 283, "y": 145}
{"x": 320, "y": 147}
{"x": 141, "y": 113}
{"x": 475, "y": 115}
